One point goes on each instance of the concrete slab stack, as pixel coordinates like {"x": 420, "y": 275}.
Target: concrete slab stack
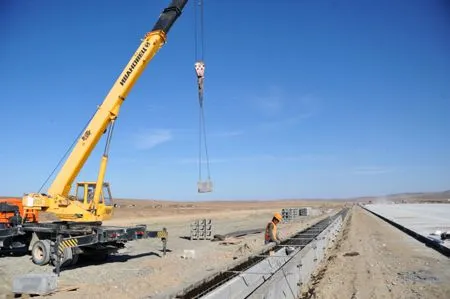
{"x": 292, "y": 214}
{"x": 304, "y": 211}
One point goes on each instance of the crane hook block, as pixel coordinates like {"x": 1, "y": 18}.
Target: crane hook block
{"x": 200, "y": 69}
{"x": 205, "y": 186}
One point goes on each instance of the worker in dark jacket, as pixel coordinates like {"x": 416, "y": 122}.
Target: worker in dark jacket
{"x": 271, "y": 230}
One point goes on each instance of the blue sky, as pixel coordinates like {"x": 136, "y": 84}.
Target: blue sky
{"x": 303, "y": 99}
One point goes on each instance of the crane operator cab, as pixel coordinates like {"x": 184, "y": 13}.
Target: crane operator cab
{"x": 85, "y": 195}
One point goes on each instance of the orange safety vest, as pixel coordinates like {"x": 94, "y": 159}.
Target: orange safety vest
{"x": 267, "y": 235}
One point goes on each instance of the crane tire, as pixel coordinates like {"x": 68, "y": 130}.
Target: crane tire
{"x": 66, "y": 258}
{"x": 40, "y": 252}
{"x": 74, "y": 260}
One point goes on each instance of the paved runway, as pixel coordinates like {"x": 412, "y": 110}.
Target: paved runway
{"x": 421, "y": 218}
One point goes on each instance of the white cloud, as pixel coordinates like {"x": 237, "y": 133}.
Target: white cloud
{"x": 152, "y": 138}
{"x": 372, "y": 170}
{"x": 228, "y": 133}
{"x": 212, "y": 133}
{"x": 256, "y": 158}
{"x": 303, "y": 157}
{"x": 272, "y": 104}
{"x": 153, "y": 107}
{"x": 282, "y": 110}
{"x": 284, "y": 122}
{"x": 195, "y": 161}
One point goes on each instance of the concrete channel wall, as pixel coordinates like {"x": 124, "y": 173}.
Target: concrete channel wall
{"x": 282, "y": 274}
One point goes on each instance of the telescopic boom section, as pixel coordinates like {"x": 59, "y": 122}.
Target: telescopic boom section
{"x": 109, "y": 109}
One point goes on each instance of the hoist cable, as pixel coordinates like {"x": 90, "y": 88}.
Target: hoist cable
{"x": 199, "y": 57}
{"x": 200, "y": 146}
{"x": 202, "y": 31}
{"x": 202, "y": 129}
{"x": 206, "y": 145}
{"x": 65, "y": 154}
{"x": 199, "y": 32}
{"x": 195, "y": 32}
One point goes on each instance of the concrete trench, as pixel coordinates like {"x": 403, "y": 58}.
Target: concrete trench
{"x": 292, "y": 276}
{"x": 278, "y": 275}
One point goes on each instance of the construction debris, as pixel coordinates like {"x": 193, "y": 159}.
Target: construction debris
{"x": 353, "y": 253}
{"x": 243, "y": 250}
{"x": 231, "y": 241}
{"x": 188, "y": 254}
{"x": 237, "y": 234}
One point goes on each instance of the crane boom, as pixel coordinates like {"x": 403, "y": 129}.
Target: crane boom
{"x": 56, "y": 199}
{"x": 109, "y": 109}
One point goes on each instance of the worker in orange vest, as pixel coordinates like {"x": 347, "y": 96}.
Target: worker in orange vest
{"x": 271, "y": 230}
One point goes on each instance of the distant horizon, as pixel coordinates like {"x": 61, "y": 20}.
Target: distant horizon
{"x": 276, "y": 199}
{"x": 295, "y": 199}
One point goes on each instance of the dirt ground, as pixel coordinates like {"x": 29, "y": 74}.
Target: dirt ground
{"x": 375, "y": 260}
{"x": 371, "y": 260}
{"x": 141, "y": 270}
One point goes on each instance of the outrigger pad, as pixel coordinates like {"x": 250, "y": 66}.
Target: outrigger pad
{"x": 205, "y": 187}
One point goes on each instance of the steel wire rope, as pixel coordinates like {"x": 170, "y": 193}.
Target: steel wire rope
{"x": 65, "y": 154}
{"x": 199, "y": 57}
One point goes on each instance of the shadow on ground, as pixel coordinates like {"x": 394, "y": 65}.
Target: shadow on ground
{"x": 86, "y": 261}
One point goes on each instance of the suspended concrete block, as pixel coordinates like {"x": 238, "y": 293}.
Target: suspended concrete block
{"x": 204, "y": 186}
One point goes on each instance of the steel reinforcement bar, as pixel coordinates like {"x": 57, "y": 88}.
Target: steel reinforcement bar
{"x": 427, "y": 241}
{"x": 288, "y": 265}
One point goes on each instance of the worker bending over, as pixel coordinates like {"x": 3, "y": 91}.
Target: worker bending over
{"x": 271, "y": 230}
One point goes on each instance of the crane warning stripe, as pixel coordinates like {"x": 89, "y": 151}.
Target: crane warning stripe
{"x": 68, "y": 244}
{"x": 161, "y": 234}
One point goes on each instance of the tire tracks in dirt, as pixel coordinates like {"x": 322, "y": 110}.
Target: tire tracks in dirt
{"x": 371, "y": 259}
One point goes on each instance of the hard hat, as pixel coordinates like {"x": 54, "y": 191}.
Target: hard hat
{"x": 278, "y": 216}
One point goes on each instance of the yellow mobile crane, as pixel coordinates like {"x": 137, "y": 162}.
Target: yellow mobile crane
{"x": 80, "y": 229}
{"x": 91, "y": 202}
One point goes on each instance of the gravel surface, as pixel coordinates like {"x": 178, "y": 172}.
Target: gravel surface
{"x": 375, "y": 260}
{"x": 141, "y": 271}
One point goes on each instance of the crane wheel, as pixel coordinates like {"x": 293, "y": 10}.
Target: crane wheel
{"x": 40, "y": 252}
{"x": 66, "y": 258}
{"x": 74, "y": 260}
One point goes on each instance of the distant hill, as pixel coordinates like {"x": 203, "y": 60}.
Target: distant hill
{"x": 407, "y": 197}
{"x": 414, "y": 197}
